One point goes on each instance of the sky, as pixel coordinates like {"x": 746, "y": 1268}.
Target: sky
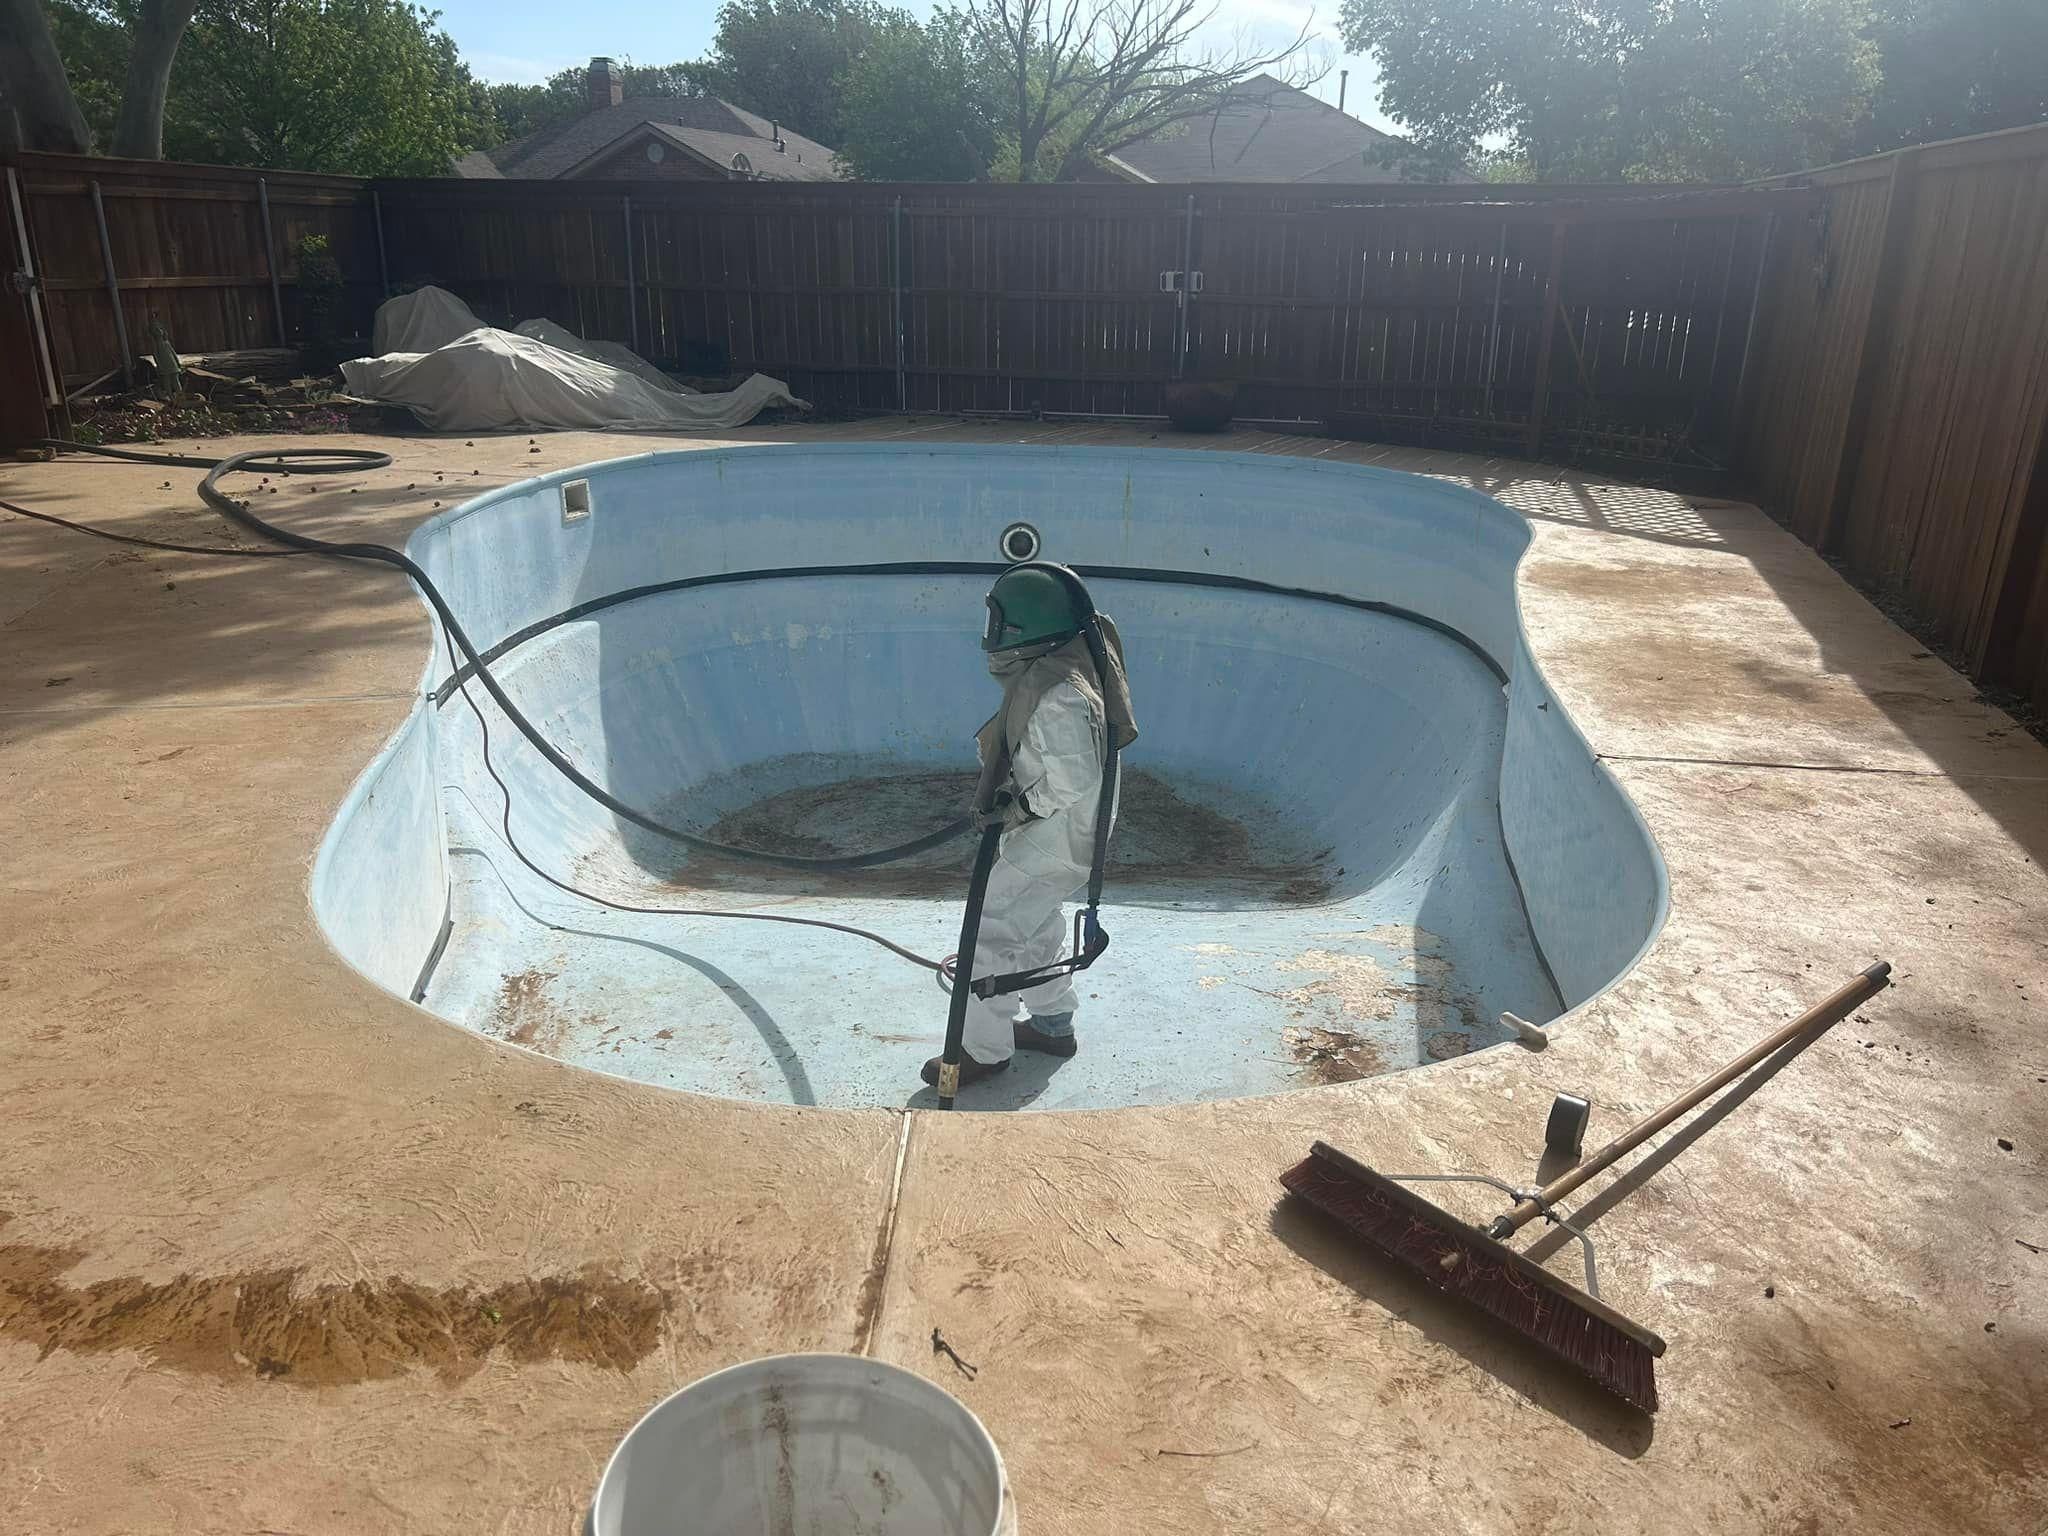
{"x": 528, "y": 40}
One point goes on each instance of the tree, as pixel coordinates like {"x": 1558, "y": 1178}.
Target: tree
{"x": 366, "y": 86}
{"x": 1626, "y": 89}
{"x": 1078, "y": 78}
{"x": 913, "y": 107}
{"x": 784, "y": 59}
{"x": 33, "y": 84}
{"x": 155, "y": 32}
{"x": 1954, "y": 67}
{"x": 522, "y": 109}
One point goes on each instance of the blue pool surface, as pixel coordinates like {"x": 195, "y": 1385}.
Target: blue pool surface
{"x": 1356, "y": 827}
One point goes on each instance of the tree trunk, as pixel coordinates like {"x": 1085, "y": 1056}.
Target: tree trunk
{"x": 139, "y": 131}
{"x": 36, "y": 84}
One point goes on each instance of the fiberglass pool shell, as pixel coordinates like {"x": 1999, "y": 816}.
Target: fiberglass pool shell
{"x": 1355, "y": 828}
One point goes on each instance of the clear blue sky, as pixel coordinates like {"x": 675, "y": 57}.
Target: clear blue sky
{"x": 528, "y": 40}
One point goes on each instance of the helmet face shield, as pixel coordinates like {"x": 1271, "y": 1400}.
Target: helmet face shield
{"x": 992, "y": 637}
{"x": 1032, "y": 605}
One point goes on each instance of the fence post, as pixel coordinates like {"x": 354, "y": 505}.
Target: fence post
{"x": 99, "y": 213}
{"x": 1887, "y": 292}
{"x": 896, "y": 296}
{"x": 383, "y": 266}
{"x": 632, "y": 298}
{"x": 1187, "y": 284}
{"x": 24, "y": 392}
{"x": 1500, "y": 267}
{"x": 1539, "y": 404}
{"x": 1756, "y": 304}
{"x": 270, "y": 260}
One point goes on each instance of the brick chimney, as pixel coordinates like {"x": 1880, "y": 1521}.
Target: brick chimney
{"x": 607, "y": 87}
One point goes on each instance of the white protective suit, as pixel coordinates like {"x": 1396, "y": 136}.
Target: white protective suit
{"x": 1057, "y": 768}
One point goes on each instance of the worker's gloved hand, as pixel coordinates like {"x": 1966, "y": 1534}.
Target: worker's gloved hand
{"x": 1009, "y": 810}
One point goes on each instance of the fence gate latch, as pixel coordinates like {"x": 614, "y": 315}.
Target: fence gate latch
{"x": 1180, "y": 282}
{"x": 22, "y": 282}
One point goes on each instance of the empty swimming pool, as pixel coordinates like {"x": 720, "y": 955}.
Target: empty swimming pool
{"x": 1355, "y": 828}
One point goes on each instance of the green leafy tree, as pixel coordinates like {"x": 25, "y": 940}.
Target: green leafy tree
{"x": 1625, "y": 89}
{"x": 914, "y": 105}
{"x": 1955, "y": 67}
{"x": 110, "y": 90}
{"x": 519, "y": 110}
{"x": 370, "y": 87}
{"x": 784, "y": 59}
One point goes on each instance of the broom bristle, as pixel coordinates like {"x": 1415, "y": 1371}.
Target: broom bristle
{"x": 1461, "y": 1261}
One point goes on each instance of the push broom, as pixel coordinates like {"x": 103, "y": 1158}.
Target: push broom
{"x": 1477, "y": 1265}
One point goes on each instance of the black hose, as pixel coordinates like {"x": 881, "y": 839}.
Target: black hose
{"x": 943, "y": 968}
{"x": 963, "y": 959}
{"x": 308, "y": 461}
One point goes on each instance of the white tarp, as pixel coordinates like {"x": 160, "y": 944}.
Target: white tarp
{"x": 566, "y": 340}
{"x": 421, "y": 321}
{"x": 478, "y": 379}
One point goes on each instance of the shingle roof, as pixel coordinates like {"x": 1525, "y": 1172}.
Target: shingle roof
{"x": 558, "y": 150}
{"x": 1266, "y": 130}
{"x": 798, "y": 160}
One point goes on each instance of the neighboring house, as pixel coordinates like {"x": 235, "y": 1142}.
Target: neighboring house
{"x": 1267, "y": 130}
{"x": 679, "y": 138}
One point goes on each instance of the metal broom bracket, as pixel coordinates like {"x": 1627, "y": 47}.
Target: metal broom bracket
{"x": 1518, "y": 1196}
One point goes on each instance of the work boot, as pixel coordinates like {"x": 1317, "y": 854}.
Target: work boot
{"x": 971, "y": 1071}
{"x": 1052, "y": 1033}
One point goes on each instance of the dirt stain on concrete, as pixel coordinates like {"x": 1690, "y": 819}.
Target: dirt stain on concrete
{"x": 1163, "y": 837}
{"x": 522, "y": 1013}
{"x": 1332, "y": 1055}
{"x": 268, "y": 1324}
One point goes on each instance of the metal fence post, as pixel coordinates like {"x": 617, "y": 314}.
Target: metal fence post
{"x": 1187, "y": 287}
{"x": 1553, "y": 286}
{"x": 896, "y": 297}
{"x": 383, "y": 266}
{"x": 1756, "y": 300}
{"x": 1500, "y": 267}
{"x": 99, "y": 213}
{"x": 632, "y": 298}
{"x": 270, "y": 260}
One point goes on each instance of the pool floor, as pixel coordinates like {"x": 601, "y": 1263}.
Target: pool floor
{"x": 1234, "y": 968}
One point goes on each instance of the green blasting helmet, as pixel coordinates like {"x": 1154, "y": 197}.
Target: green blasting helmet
{"x": 1030, "y": 605}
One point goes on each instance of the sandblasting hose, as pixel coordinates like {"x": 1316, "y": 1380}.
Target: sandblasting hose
{"x": 313, "y": 461}
{"x": 308, "y": 461}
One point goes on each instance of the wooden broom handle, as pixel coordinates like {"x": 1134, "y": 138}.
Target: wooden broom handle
{"x": 1818, "y": 1019}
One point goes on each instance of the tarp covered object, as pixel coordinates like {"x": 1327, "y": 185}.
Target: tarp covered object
{"x": 458, "y": 375}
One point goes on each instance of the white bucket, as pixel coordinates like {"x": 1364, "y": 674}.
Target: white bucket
{"x": 806, "y": 1445}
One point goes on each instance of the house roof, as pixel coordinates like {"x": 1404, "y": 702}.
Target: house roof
{"x": 701, "y": 124}
{"x": 1266, "y": 130}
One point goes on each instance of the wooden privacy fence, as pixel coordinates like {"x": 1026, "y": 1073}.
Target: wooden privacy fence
{"x": 1563, "y": 320}
{"x": 1572, "y": 319}
{"x": 1868, "y": 343}
{"x": 1900, "y": 418}
{"x": 210, "y": 252}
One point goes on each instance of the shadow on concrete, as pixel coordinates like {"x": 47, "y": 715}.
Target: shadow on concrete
{"x": 1518, "y": 1364}
{"x": 94, "y": 627}
{"x": 1639, "y": 1174}
{"x": 1029, "y": 1076}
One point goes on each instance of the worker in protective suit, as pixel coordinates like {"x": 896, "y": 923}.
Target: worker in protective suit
{"x": 1042, "y": 759}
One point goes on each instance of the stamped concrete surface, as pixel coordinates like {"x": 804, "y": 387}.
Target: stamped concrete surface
{"x": 281, "y": 1253}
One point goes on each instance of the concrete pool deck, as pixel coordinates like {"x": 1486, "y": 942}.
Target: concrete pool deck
{"x": 283, "y": 1253}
